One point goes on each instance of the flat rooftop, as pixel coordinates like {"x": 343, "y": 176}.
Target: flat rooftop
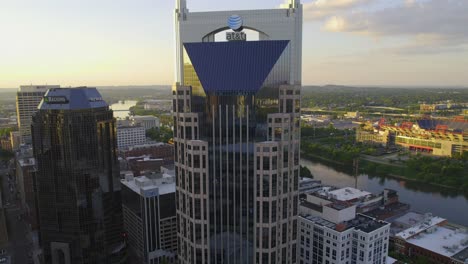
{"x": 137, "y": 184}
{"x": 462, "y": 255}
{"x": 348, "y": 194}
{"x": 360, "y": 222}
{"x": 27, "y": 162}
{"x": 367, "y": 224}
{"x": 409, "y": 219}
{"x": 391, "y": 260}
{"x": 427, "y": 223}
{"x": 320, "y": 221}
{"x": 442, "y": 240}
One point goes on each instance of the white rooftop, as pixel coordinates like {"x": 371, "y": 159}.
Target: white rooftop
{"x": 142, "y": 183}
{"x": 27, "y": 162}
{"x": 427, "y": 223}
{"x": 442, "y": 240}
{"x": 348, "y": 194}
{"x": 391, "y": 260}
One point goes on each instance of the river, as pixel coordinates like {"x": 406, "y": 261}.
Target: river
{"x": 423, "y": 198}
{"x": 121, "y": 109}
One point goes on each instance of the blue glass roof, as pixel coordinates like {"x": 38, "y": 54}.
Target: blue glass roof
{"x": 236, "y": 67}
{"x": 72, "y": 99}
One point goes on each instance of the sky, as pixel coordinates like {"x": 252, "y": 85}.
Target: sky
{"x": 131, "y": 42}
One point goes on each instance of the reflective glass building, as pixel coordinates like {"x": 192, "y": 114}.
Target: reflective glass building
{"x": 237, "y": 133}
{"x": 78, "y": 185}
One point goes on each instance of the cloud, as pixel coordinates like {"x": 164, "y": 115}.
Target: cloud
{"x": 428, "y": 24}
{"x": 320, "y": 9}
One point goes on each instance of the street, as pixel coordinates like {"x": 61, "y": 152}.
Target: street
{"x": 19, "y": 247}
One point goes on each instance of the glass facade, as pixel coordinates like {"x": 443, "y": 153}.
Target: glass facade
{"x": 237, "y": 134}
{"x": 78, "y": 187}
{"x": 249, "y": 167}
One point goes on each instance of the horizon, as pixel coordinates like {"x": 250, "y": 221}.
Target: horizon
{"x": 157, "y": 86}
{"x": 410, "y": 43}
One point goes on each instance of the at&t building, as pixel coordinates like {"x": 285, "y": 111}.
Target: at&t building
{"x": 237, "y": 133}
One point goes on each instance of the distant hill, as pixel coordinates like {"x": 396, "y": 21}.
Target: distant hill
{"x": 142, "y": 87}
{"x": 349, "y": 97}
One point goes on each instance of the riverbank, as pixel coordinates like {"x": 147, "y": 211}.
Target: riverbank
{"x": 397, "y": 171}
{"x": 421, "y": 196}
{"x": 312, "y": 156}
{"x": 444, "y": 173}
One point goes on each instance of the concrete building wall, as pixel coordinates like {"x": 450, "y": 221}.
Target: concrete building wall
{"x": 130, "y": 136}
{"x": 338, "y": 216}
{"x": 28, "y": 98}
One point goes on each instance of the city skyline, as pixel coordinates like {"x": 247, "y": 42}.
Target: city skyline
{"x": 348, "y": 42}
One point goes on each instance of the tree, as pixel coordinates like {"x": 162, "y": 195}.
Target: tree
{"x": 305, "y": 172}
{"x": 162, "y": 134}
{"x": 5, "y": 131}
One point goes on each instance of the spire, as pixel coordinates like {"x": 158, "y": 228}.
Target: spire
{"x": 294, "y": 3}
{"x": 181, "y": 9}
{"x": 181, "y": 4}
{"x": 291, "y": 4}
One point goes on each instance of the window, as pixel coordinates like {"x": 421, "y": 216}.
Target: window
{"x": 274, "y": 183}
{"x": 273, "y": 211}
{"x": 196, "y": 183}
{"x": 266, "y": 210}
{"x": 265, "y": 238}
{"x": 266, "y": 185}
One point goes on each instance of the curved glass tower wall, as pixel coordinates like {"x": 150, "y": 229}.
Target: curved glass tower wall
{"x": 78, "y": 183}
{"x": 237, "y": 135}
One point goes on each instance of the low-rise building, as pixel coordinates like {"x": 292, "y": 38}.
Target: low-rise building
{"x": 364, "y": 201}
{"x": 429, "y": 237}
{"x": 461, "y": 257}
{"x": 433, "y": 240}
{"x": 352, "y": 115}
{"x": 147, "y": 122}
{"x": 156, "y": 150}
{"x": 336, "y": 234}
{"x": 130, "y": 135}
{"x": 439, "y": 137}
{"x": 149, "y": 210}
{"x": 374, "y": 137}
{"x": 5, "y": 143}
{"x": 146, "y": 164}
{"x": 160, "y": 105}
{"x": 432, "y": 107}
{"x": 331, "y": 229}
{"x": 309, "y": 185}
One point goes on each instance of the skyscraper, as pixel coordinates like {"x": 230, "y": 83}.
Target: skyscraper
{"x": 237, "y": 133}
{"x": 28, "y": 98}
{"x": 78, "y": 185}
